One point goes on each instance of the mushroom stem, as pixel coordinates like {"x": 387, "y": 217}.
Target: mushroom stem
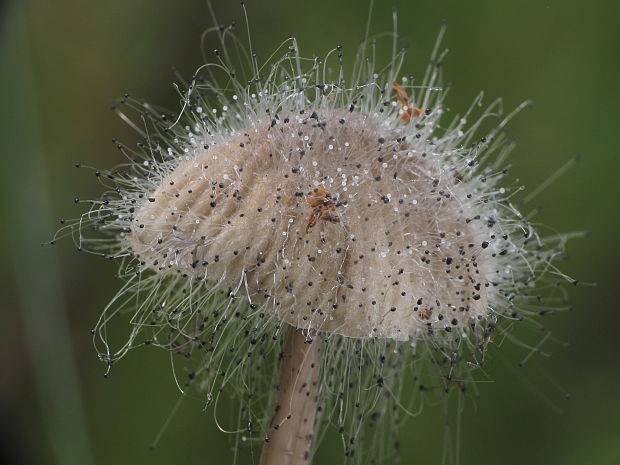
{"x": 291, "y": 429}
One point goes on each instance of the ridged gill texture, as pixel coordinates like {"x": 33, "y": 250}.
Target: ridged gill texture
{"x": 330, "y": 220}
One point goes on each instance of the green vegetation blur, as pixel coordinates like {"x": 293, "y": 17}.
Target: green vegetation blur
{"x": 64, "y": 61}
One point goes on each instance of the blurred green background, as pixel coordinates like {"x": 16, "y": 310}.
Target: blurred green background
{"x": 64, "y": 61}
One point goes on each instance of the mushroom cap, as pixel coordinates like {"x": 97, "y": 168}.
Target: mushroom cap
{"x": 332, "y": 221}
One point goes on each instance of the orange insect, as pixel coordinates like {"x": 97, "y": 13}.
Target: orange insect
{"x": 487, "y": 336}
{"x": 426, "y": 314}
{"x": 322, "y": 206}
{"x": 409, "y": 110}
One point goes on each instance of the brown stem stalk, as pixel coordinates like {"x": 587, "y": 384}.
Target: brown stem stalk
{"x": 291, "y": 429}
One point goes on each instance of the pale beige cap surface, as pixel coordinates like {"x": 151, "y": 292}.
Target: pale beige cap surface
{"x": 394, "y": 254}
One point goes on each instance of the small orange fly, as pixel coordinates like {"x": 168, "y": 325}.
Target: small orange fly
{"x": 426, "y": 314}
{"x": 322, "y": 206}
{"x": 486, "y": 337}
{"x": 409, "y": 110}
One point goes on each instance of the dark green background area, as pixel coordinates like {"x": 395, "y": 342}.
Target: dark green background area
{"x": 63, "y": 62}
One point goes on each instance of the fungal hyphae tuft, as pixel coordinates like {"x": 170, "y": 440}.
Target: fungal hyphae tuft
{"x": 296, "y": 216}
